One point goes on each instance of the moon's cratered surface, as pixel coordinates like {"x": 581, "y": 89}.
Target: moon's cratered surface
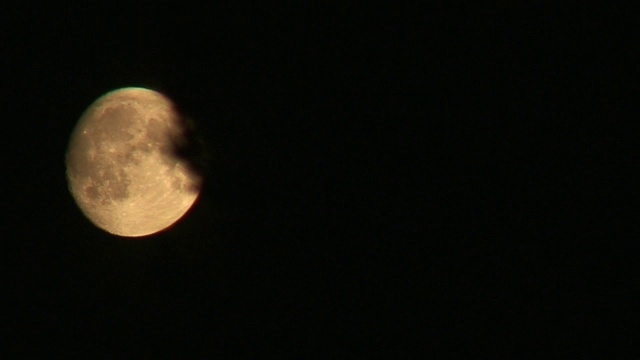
{"x": 121, "y": 163}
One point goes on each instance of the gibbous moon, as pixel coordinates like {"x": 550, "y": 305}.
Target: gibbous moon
{"x": 121, "y": 164}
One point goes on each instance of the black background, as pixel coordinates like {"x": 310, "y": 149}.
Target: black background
{"x": 380, "y": 181}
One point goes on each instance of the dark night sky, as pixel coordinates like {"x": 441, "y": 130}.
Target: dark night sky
{"x": 379, "y": 181}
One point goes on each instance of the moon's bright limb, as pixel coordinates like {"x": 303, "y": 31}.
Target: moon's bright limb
{"x": 121, "y": 163}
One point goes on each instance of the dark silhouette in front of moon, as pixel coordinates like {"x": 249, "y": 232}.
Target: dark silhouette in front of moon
{"x": 123, "y": 167}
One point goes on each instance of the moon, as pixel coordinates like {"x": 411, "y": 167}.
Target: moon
{"x": 121, "y": 164}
